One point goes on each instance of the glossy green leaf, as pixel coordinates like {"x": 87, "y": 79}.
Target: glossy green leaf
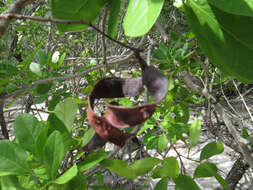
{"x": 162, "y": 184}
{"x": 88, "y": 136}
{"x": 66, "y": 112}
{"x": 184, "y": 182}
{"x": 238, "y": 7}
{"x": 170, "y": 168}
{"x": 85, "y": 10}
{"x": 140, "y": 16}
{"x": 67, "y": 176}
{"x": 13, "y": 159}
{"x": 35, "y": 68}
{"x": 91, "y": 160}
{"x": 26, "y": 130}
{"x": 195, "y": 129}
{"x": 224, "y": 37}
{"x": 113, "y": 20}
{"x": 119, "y": 167}
{"x": 149, "y": 163}
{"x": 162, "y": 142}
{"x": 53, "y": 154}
{"x": 211, "y": 149}
{"x": 205, "y": 169}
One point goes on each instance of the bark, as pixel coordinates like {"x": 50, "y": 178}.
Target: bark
{"x": 2, "y": 120}
{"x": 236, "y": 173}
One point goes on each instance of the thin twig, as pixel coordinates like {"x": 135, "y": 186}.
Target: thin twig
{"x": 63, "y": 78}
{"x": 103, "y": 39}
{"x": 23, "y": 17}
{"x": 245, "y": 104}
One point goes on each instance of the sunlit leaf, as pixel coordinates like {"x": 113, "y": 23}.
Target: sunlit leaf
{"x": 221, "y": 33}
{"x": 67, "y": 176}
{"x": 35, "y": 68}
{"x": 66, "y": 112}
{"x": 195, "y": 129}
{"x": 140, "y": 16}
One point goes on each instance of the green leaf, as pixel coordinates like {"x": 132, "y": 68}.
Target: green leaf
{"x": 88, "y": 136}
{"x": 113, "y": 20}
{"x": 170, "y": 168}
{"x": 237, "y": 7}
{"x": 100, "y": 178}
{"x": 222, "y": 33}
{"x": 211, "y": 149}
{"x": 208, "y": 169}
{"x": 149, "y": 163}
{"x": 67, "y": 176}
{"x": 184, "y": 182}
{"x": 85, "y": 10}
{"x": 182, "y": 113}
{"x": 41, "y": 141}
{"x": 77, "y": 183}
{"x": 57, "y": 124}
{"x": 60, "y": 62}
{"x": 91, "y": 160}
{"x": 221, "y": 181}
{"x": 119, "y": 167}
{"x": 162, "y": 142}
{"x": 140, "y": 16}
{"x": 162, "y": 184}
{"x": 195, "y": 129}
{"x": 66, "y": 112}
{"x": 145, "y": 127}
{"x": 44, "y": 88}
{"x": 10, "y": 183}
{"x": 205, "y": 169}
{"x": 26, "y": 130}
{"x": 13, "y": 159}
{"x": 42, "y": 57}
{"x": 245, "y": 133}
{"x": 35, "y": 68}
{"x": 171, "y": 84}
{"x": 159, "y": 54}
{"x": 53, "y": 154}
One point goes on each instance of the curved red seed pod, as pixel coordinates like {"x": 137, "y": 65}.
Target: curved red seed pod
{"x": 120, "y": 117}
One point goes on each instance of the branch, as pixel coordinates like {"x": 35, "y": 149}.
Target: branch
{"x": 8, "y": 17}
{"x": 63, "y": 78}
{"x": 103, "y": 39}
{"x": 15, "y": 7}
{"x": 242, "y": 143}
{"x": 2, "y": 120}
